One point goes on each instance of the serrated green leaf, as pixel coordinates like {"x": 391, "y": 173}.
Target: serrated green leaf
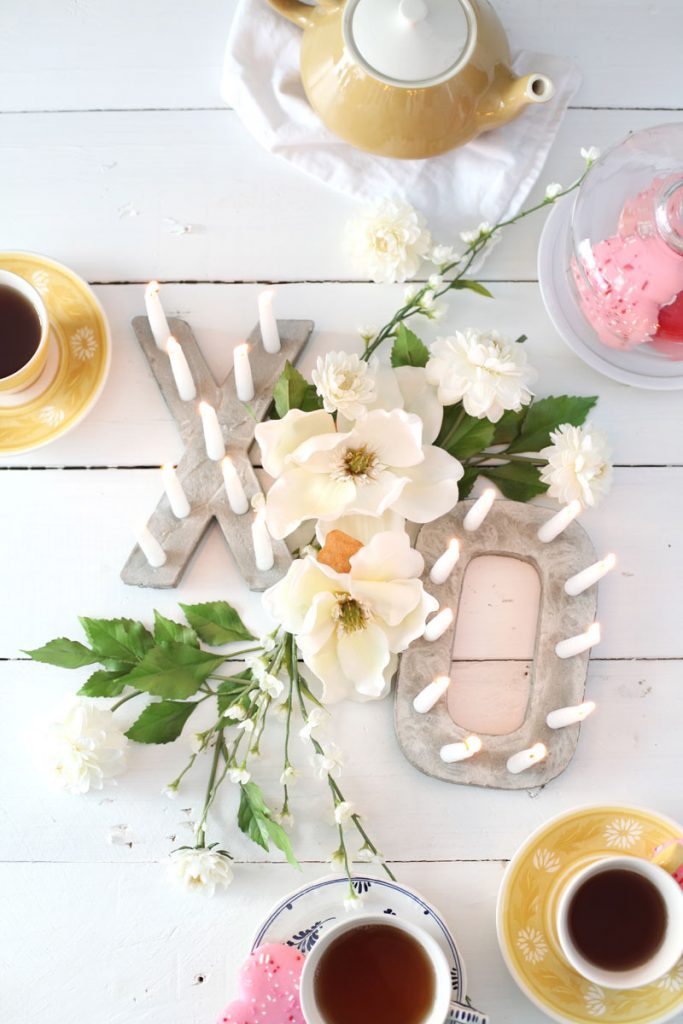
{"x": 472, "y": 286}
{"x": 517, "y": 480}
{"x": 166, "y": 631}
{"x": 407, "y": 349}
{"x": 231, "y": 689}
{"x": 292, "y": 391}
{"x": 254, "y": 819}
{"x": 173, "y": 671}
{"x": 216, "y": 622}
{"x": 64, "y": 653}
{"x": 123, "y": 639}
{"x": 103, "y": 684}
{"x": 468, "y": 436}
{"x": 508, "y": 426}
{"x": 161, "y": 723}
{"x": 467, "y": 482}
{"x": 548, "y": 414}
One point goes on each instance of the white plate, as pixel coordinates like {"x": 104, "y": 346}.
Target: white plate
{"x": 643, "y": 366}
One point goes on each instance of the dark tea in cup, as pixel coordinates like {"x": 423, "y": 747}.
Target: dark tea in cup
{"x": 20, "y": 330}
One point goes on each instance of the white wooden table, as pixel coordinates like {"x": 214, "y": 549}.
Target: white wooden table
{"x": 110, "y": 107}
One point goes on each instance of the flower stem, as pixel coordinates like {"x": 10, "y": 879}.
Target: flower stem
{"x": 210, "y": 791}
{"x": 123, "y": 700}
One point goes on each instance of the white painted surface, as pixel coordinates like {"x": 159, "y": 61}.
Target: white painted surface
{"x": 123, "y": 947}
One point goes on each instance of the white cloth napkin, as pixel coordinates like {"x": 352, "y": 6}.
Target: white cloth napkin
{"x": 488, "y": 179}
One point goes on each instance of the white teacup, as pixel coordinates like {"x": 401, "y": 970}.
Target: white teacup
{"x": 444, "y": 1009}
{"x": 662, "y": 960}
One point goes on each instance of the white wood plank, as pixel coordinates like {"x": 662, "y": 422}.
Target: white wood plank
{"x": 94, "y": 190}
{"x": 131, "y": 425}
{"x": 168, "y": 54}
{"x": 629, "y": 751}
{"x": 68, "y": 564}
{"x": 138, "y": 950}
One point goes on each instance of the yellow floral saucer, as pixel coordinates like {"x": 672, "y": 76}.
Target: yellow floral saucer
{"x": 78, "y": 362}
{"x": 525, "y": 916}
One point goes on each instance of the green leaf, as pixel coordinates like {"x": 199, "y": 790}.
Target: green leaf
{"x": 292, "y": 391}
{"x": 173, "y": 671}
{"x": 468, "y": 481}
{"x": 64, "y": 653}
{"x": 517, "y": 480}
{"x": 103, "y": 684}
{"x": 469, "y": 437}
{"x": 472, "y": 286}
{"x": 161, "y": 723}
{"x": 303, "y": 686}
{"x": 166, "y": 631}
{"x": 508, "y": 426}
{"x": 254, "y": 819}
{"x": 217, "y": 623}
{"x": 408, "y": 350}
{"x": 230, "y": 690}
{"x": 122, "y": 639}
{"x": 548, "y": 414}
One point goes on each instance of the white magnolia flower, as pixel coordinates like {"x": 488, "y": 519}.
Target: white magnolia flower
{"x": 443, "y": 254}
{"x": 623, "y": 833}
{"x": 328, "y": 763}
{"x": 532, "y": 945}
{"x": 553, "y": 190}
{"x": 343, "y": 812}
{"x": 361, "y": 528}
{"x": 381, "y": 463}
{"x": 475, "y": 234}
{"x": 578, "y": 464}
{"x": 85, "y": 748}
{"x": 315, "y": 719}
{"x": 236, "y": 713}
{"x": 389, "y": 240}
{"x": 353, "y": 903}
{"x": 407, "y": 388}
{"x": 345, "y": 383}
{"x": 271, "y": 685}
{"x": 590, "y": 154}
{"x": 201, "y": 870}
{"x": 485, "y": 371}
{"x": 240, "y": 776}
{"x": 350, "y": 627}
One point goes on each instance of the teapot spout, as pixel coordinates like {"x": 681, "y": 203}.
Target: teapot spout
{"x": 533, "y": 88}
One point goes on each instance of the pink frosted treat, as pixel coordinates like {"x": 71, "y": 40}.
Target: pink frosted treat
{"x": 268, "y": 987}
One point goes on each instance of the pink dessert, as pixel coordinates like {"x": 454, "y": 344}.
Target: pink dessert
{"x": 268, "y": 987}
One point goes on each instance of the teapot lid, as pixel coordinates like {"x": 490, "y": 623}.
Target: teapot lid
{"x": 410, "y": 43}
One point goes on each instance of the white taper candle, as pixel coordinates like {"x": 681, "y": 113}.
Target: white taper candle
{"x": 213, "y": 435}
{"x": 445, "y": 564}
{"x": 576, "y": 585}
{"x": 237, "y": 498}
{"x": 554, "y": 526}
{"x": 150, "y": 546}
{"x": 574, "y": 645}
{"x": 177, "y": 499}
{"x": 156, "y": 316}
{"x": 180, "y": 368}
{"x": 479, "y": 511}
{"x": 438, "y": 625}
{"x": 263, "y": 545}
{"x": 433, "y": 692}
{"x": 454, "y": 752}
{"x": 269, "y": 332}
{"x": 244, "y": 382}
{"x": 569, "y": 716}
{"x": 524, "y": 759}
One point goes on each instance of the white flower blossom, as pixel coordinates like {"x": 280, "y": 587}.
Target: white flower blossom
{"x": 268, "y": 643}
{"x": 382, "y": 462}
{"x": 240, "y": 776}
{"x": 484, "y": 370}
{"x": 236, "y": 713}
{"x": 256, "y": 665}
{"x": 345, "y": 383}
{"x": 350, "y": 627}
{"x": 410, "y": 293}
{"x": 197, "y": 742}
{"x": 590, "y": 154}
{"x": 201, "y": 870}
{"x": 171, "y": 791}
{"x": 367, "y": 333}
{"x": 285, "y": 819}
{"x": 315, "y": 719}
{"x": 247, "y": 725}
{"x": 366, "y": 856}
{"x": 441, "y": 255}
{"x": 578, "y": 464}
{"x": 328, "y": 763}
{"x": 288, "y": 776}
{"x": 435, "y": 281}
{"x": 477, "y": 233}
{"x": 337, "y": 862}
{"x": 388, "y": 241}
{"x": 353, "y": 903}
{"x": 85, "y": 748}
{"x": 553, "y": 190}
{"x": 343, "y": 812}
{"x": 271, "y": 685}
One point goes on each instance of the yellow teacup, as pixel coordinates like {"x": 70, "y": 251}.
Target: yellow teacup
{"x": 29, "y": 371}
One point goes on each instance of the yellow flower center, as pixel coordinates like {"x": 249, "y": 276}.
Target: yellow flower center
{"x": 358, "y": 462}
{"x": 351, "y": 615}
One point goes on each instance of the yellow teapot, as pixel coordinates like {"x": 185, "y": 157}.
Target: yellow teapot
{"x": 409, "y": 78}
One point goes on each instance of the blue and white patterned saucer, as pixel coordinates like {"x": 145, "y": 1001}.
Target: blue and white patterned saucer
{"x": 301, "y": 917}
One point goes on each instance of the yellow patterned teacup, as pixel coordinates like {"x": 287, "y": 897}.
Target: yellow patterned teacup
{"x": 660, "y": 960}
{"x": 32, "y": 369}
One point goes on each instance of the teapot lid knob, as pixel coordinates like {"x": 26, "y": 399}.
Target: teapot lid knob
{"x": 413, "y": 11}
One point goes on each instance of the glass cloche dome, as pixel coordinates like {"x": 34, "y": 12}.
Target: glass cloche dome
{"x": 611, "y": 261}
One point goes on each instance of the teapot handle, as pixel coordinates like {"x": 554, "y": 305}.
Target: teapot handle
{"x": 300, "y": 13}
